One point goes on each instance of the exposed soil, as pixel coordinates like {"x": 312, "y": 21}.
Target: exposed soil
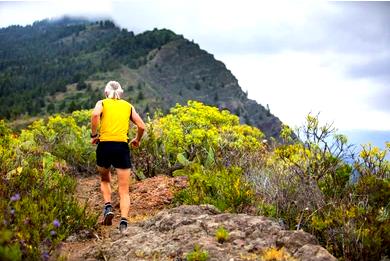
{"x": 147, "y": 197}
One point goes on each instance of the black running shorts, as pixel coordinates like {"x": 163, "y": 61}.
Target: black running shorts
{"x": 113, "y": 153}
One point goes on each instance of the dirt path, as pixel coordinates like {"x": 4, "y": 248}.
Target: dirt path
{"x": 147, "y": 197}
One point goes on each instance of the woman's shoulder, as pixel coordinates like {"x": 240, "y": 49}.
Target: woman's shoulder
{"x": 126, "y": 102}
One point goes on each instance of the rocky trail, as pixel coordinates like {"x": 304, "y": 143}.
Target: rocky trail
{"x": 157, "y": 231}
{"x": 146, "y": 199}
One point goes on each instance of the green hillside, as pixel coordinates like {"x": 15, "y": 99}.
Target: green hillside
{"x": 63, "y": 65}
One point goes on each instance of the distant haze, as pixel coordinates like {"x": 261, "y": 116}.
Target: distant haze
{"x": 297, "y": 57}
{"x": 375, "y": 138}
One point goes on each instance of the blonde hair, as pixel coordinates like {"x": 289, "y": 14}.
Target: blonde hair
{"x": 113, "y": 90}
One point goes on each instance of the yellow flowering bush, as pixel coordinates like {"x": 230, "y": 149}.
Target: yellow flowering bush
{"x": 198, "y": 132}
{"x": 66, "y": 137}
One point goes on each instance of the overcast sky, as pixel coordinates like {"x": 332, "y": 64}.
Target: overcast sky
{"x": 298, "y": 57}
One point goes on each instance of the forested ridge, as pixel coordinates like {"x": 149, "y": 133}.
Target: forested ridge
{"x": 42, "y": 59}
{"x": 63, "y": 65}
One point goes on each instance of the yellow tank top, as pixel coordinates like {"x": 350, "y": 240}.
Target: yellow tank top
{"x": 115, "y": 120}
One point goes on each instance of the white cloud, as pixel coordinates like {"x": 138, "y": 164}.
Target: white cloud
{"x": 294, "y": 84}
{"x": 24, "y": 13}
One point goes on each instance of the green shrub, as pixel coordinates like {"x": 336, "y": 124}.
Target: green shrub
{"x": 308, "y": 184}
{"x": 224, "y": 188}
{"x": 266, "y": 209}
{"x": 9, "y": 251}
{"x": 37, "y": 197}
{"x": 197, "y": 254}
{"x": 357, "y": 226}
{"x": 221, "y": 235}
{"x": 40, "y": 207}
{"x": 312, "y": 187}
{"x": 372, "y": 161}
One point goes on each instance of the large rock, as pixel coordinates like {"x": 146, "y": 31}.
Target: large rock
{"x": 173, "y": 233}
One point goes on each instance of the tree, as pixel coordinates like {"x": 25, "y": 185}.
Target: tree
{"x": 50, "y": 108}
{"x": 140, "y": 96}
{"x": 81, "y": 85}
{"x": 72, "y": 106}
{"x": 147, "y": 109}
{"x": 62, "y": 106}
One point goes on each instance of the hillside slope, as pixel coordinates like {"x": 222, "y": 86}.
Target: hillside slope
{"x": 61, "y": 66}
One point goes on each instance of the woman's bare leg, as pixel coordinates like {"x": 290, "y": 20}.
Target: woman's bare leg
{"x": 123, "y": 184}
{"x": 105, "y": 186}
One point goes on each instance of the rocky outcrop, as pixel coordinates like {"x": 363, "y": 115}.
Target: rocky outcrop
{"x": 173, "y": 233}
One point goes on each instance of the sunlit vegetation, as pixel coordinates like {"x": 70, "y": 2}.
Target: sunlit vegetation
{"x": 314, "y": 183}
{"x": 221, "y": 235}
{"x": 273, "y": 254}
{"x": 39, "y": 207}
{"x": 197, "y": 254}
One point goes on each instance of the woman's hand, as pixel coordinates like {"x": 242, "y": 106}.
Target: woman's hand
{"x": 95, "y": 140}
{"x": 135, "y": 143}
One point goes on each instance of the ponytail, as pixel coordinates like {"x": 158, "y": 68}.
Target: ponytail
{"x": 113, "y": 90}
